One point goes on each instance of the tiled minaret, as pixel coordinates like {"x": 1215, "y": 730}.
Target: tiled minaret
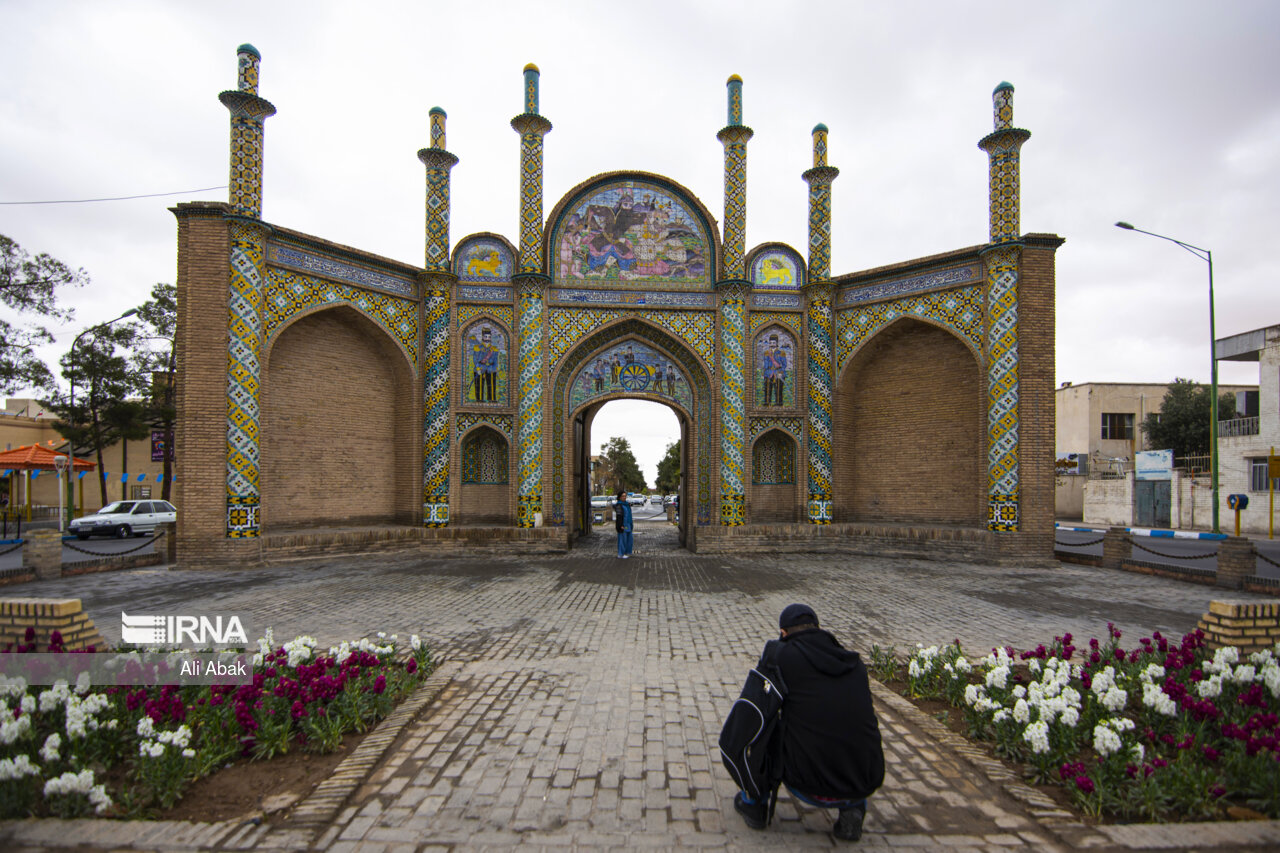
{"x": 531, "y": 286}
{"x": 1002, "y": 259}
{"x": 818, "y": 292}
{"x": 734, "y": 290}
{"x": 437, "y": 282}
{"x": 244, "y": 321}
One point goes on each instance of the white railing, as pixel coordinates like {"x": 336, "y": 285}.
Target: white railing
{"x": 1237, "y": 427}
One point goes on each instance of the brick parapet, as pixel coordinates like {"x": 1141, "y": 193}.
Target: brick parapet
{"x": 44, "y": 616}
{"x": 42, "y": 553}
{"x": 1248, "y": 625}
{"x": 1237, "y": 560}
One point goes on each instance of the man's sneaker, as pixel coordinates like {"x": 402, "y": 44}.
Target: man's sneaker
{"x": 849, "y": 824}
{"x": 755, "y": 815}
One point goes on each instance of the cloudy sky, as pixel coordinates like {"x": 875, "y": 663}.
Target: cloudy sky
{"x": 1165, "y": 114}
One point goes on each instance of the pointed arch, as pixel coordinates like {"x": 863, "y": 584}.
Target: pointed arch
{"x": 484, "y": 485}
{"x": 340, "y": 417}
{"x": 909, "y": 422}
{"x": 563, "y": 414}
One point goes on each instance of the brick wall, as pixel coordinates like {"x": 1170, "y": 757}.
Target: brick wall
{"x": 909, "y": 420}
{"x": 770, "y": 504}
{"x": 486, "y": 505}
{"x": 338, "y": 438}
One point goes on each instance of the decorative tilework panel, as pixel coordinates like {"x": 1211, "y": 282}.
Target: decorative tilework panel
{"x": 467, "y": 313}
{"x": 483, "y": 259}
{"x": 903, "y": 286}
{"x": 1002, "y": 384}
{"x": 775, "y": 300}
{"x": 484, "y": 458}
{"x": 435, "y": 411}
{"x": 481, "y": 293}
{"x": 776, "y": 270}
{"x": 532, "y": 356}
{"x": 633, "y": 231}
{"x": 632, "y": 298}
{"x": 244, "y": 344}
{"x": 793, "y": 426}
{"x": 502, "y": 423}
{"x": 760, "y": 319}
{"x": 330, "y": 268}
{"x": 288, "y": 293}
{"x": 820, "y": 383}
{"x": 735, "y": 201}
{"x": 959, "y": 309}
{"x": 633, "y": 368}
{"x": 567, "y": 326}
{"x": 773, "y": 460}
{"x": 732, "y": 409}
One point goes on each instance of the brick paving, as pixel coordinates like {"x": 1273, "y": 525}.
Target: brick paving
{"x": 587, "y": 695}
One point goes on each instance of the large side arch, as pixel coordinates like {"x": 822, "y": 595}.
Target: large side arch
{"x": 909, "y": 420}
{"x": 698, "y": 481}
{"x": 340, "y": 424}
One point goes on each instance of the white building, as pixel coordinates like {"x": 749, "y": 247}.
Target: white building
{"x": 1244, "y": 443}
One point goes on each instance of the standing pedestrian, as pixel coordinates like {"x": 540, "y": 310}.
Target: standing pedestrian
{"x": 623, "y": 522}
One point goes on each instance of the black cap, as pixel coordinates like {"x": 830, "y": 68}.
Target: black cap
{"x": 797, "y": 614}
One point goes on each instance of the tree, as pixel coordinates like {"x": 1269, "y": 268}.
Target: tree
{"x": 29, "y": 286}
{"x": 669, "y": 469}
{"x": 1182, "y": 424}
{"x": 160, "y": 314}
{"x": 624, "y": 471}
{"x": 106, "y": 409}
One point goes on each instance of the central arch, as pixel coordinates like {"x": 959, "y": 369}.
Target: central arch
{"x": 571, "y": 420}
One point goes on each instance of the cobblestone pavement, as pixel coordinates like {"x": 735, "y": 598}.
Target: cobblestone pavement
{"x": 589, "y": 692}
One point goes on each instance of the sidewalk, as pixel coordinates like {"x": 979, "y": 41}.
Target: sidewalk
{"x": 581, "y": 699}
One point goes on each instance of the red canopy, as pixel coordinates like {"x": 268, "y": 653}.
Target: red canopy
{"x": 38, "y": 457}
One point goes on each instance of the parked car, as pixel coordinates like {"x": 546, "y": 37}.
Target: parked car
{"x": 635, "y": 499}
{"x": 601, "y": 501}
{"x": 123, "y": 519}
{"x": 656, "y": 500}
{"x": 668, "y": 500}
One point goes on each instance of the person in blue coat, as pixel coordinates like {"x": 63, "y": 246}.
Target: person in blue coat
{"x": 624, "y": 523}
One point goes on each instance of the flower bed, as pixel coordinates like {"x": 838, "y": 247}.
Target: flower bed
{"x": 1164, "y": 730}
{"x": 69, "y": 751}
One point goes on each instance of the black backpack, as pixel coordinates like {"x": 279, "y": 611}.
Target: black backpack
{"x": 751, "y": 741}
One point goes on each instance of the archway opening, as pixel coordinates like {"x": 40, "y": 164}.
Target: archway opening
{"x": 909, "y": 422}
{"x": 635, "y": 446}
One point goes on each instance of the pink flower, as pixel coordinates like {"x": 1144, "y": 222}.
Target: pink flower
{"x": 380, "y": 684}
{"x": 1085, "y": 784}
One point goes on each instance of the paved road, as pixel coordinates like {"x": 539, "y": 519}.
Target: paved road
{"x": 76, "y": 551}
{"x": 590, "y": 692}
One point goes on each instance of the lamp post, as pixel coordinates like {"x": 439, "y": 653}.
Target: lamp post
{"x": 71, "y": 405}
{"x": 60, "y": 462}
{"x": 1204, "y": 255}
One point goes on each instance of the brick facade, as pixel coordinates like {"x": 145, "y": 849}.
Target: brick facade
{"x": 933, "y": 403}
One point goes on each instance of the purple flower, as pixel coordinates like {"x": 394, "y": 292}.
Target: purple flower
{"x": 380, "y": 684}
{"x": 1085, "y": 784}
{"x": 1210, "y": 755}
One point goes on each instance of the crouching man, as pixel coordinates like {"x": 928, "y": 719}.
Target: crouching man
{"x": 804, "y": 719}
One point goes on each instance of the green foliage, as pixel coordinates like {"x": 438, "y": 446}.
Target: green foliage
{"x": 669, "y": 470}
{"x": 625, "y": 473}
{"x": 884, "y": 662}
{"x": 1182, "y": 423}
{"x": 29, "y": 286}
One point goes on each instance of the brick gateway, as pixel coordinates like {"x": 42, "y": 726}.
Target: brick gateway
{"x": 907, "y": 408}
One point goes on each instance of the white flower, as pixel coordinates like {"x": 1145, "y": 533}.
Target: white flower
{"x": 188, "y": 753}
{"x": 28, "y": 704}
{"x": 1019, "y": 692}
{"x": 998, "y": 677}
{"x": 1211, "y": 687}
{"x": 54, "y": 696}
{"x": 15, "y": 686}
{"x": 1138, "y": 753}
{"x": 1021, "y": 711}
{"x": 1037, "y": 734}
{"x": 1244, "y": 674}
{"x": 1261, "y": 658}
{"x": 1120, "y": 724}
{"x": 1071, "y": 696}
{"x": 1151, "y": 673}
{"x": 17, "y": 767}
{"x": 146, "y": 728}
{"x": 156, "y": 749}
{"x": 1115, "y": 699}
{"x": 83, "y": 682}
{"x": 1223, "y": 659}
{"x": 79, "y": 783}
{"x": 1156, "y": 699}
{"x": 257, "y": 660}
{"x": 11, "y": 730}
{"x": 1069, "y": 717}
{"x": 973, "y": 693}
{"x": 1271, "y": 678}
{"x": 1105, "y": 740}
{"x": 1103, "y": 681}
{"x": 1034, "y": 665}
{"x": 913, "y": 669}
{"x": 49, "y": 752}
{"x": 1000, "y": 716}
{"x": 416, "y": 642}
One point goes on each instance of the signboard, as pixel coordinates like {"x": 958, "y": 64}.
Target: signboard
{"x": 1153, "y": 465}
{"x": 1273, "y": 467}
{"x": 158, "y": 445}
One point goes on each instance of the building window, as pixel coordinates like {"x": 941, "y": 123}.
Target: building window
{"x": 484, "y": 458}
{"x": 773, "y": 460}
{"x": 1258, "y": 475}
{"x": 1117, "y": 425}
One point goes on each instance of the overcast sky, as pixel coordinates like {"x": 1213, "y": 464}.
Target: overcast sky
{"x": 1165, "y": 114}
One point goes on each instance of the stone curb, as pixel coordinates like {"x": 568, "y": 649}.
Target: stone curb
{"x": 1064, "y": 825}
{"x": 322, "y": 805}
{"x": 297, "y": 832}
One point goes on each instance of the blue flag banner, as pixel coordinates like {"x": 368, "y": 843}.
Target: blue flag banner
{"x": 7, "y": 472}
{"x": 124, "y": 478}
{"x": 35, "y": 474}
{"x": 142, "y": 478}
{"x": 159, "y": 478}
{"x": 81, "y": 475}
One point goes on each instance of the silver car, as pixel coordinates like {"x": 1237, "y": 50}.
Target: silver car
{"x": 123, "y": 519}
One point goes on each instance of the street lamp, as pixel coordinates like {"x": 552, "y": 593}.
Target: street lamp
{"x": 60, "y": 462}
{"x": 71, "y": 404}
{"x": 1204, "y": 255}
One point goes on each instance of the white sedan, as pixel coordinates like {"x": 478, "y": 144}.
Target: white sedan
{"x": 123, "y": 519}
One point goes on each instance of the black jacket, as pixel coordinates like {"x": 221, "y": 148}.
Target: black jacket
{"x": 830, "y": 736}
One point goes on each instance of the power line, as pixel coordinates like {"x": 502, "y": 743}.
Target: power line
{"x": 117, "y": 198}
